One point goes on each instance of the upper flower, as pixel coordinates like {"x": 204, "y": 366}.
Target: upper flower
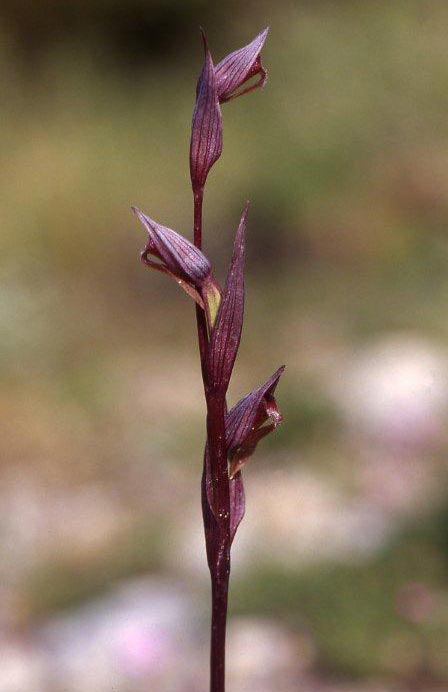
{"x": 238, "y": 67}
{"x": 216, "y": 85}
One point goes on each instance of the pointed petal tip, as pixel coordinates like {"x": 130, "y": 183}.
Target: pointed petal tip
{"x": 144, "y": 220}
{"x": 204, "y": 40}
{"x": 240, "y": 237}
{"x": 244, "y": 214}
{"x": 273, "y": 380}
{"x": 140, "y": 215}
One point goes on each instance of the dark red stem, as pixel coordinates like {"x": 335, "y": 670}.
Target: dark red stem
{"x": 218, "y": 538}
{"x": 218, "y": 636}
{"x": 198, "y": 199}
{"x": 217, "y": 531}
{"x": 200, "y": 314}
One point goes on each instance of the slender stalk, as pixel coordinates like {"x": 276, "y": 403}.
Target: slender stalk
{"x": 218, "y": 537}
{"x": 200, "y": 314}
{"x": 220, "y": 589}
{"x": 198, "y": 200}
{"x": 219, "y": 541}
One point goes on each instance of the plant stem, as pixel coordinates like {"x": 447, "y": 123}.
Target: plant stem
{"x": 198, "y": 199}
{"x": 220, "y": 588}
{"x": 200, "y": 314}
{"x": 218, "y": 535}
{"x": 217, "y": 531}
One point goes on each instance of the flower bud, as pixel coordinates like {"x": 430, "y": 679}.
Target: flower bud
{"x": 206, "y": 130}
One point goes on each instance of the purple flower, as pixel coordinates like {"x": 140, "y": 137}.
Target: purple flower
{"x": 216, "y": 85}
{"x": 179, "y": 258}
{"x": 238, "y": 67}
{"x": 251, "y": 419}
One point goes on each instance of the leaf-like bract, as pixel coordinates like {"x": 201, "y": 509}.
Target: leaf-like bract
{"x": 206, "y": 130}
{"x": 226, "y": 333}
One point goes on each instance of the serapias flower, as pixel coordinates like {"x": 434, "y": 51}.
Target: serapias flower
{"x": 179, "y": 258}
{"x": 238, "y": 67}
{"x": 251, "y": 419}
{"x": 218, "y": 84}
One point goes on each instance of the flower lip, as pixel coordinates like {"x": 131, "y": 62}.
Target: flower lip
{"x": 178, "y": 255}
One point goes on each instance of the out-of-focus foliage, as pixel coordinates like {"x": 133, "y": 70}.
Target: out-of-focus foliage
{"x": 344, "y": 155}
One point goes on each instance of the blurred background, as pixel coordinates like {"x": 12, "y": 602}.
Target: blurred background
{"x": 340, "y": 566}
